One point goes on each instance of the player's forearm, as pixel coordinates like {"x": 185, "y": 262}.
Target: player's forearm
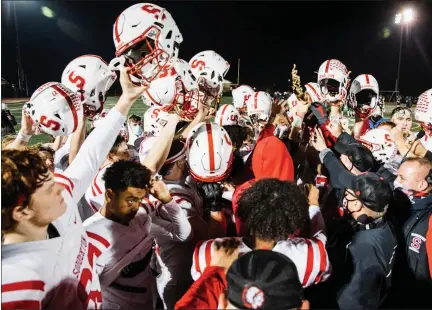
{"x": 77, "y": 139}
{"x": 20, "y": 141}
{"x": 180, "y": 228}
{"x": 158, "y": 155}
{"x": 93, "y": 152}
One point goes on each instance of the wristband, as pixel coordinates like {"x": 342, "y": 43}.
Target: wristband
{"x": 23, "y": 137}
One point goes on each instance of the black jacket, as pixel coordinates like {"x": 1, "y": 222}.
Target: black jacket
{"x": 371, "y": 255}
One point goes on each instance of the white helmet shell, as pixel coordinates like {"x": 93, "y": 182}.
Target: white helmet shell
{"x": 227, "y": 115}
{"x": 55, "y": 109}
{"x": 379, "y": 142}
{"x": 240, "y": 96}
{"x": 210, "y": 69}
{"x": 91, "y": 78}
{"x": 209, "y": 152}
{"x": 155, "y": 119}
{"x": 149, "y": 28}
{"x": 313, "y": 90}
{"x": 333, "y": 69}
{"x": 260, "y": 106}
{"x": 360, "y": 83}
{"x": 423, "y": 110}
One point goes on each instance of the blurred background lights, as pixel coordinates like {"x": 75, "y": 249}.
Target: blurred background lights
{"x": 47, "y": 12}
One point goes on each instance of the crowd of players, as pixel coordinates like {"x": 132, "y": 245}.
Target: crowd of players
{"x": 268, "y": 203}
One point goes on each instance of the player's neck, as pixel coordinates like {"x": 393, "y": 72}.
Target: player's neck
{"x": 105, "y": 212}
{"x": 26, "y": 233}
{"x": 264, "y": 245}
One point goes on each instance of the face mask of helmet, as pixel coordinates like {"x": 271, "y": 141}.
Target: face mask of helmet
{"x": 330, "y": 87}
{"x": 366, "y": 100}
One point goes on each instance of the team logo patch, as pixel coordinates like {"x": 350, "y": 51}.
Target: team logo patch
{"x": 253, "y": 297}
{"x": 416, "y": 242}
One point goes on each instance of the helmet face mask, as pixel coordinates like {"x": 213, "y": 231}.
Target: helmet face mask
{"x": 148, "y": 37}
{"x": 363, "y": 95}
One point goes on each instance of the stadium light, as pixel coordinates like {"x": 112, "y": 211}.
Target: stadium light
{"x": 405, "y": 17}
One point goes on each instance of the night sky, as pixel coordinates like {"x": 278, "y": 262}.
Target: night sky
{"x": 268, "y": 37}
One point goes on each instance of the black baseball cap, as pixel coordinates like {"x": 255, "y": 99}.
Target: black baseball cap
{"x": 264, "y": 279}
{"x": 372, "y": 190}
{"x": 359, "y": 155}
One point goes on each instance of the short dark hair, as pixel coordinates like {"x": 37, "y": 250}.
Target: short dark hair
{"x": 274, "y": 210}
{"x": 119, "y": 140}
{"x": 126, "y": 173}
{"x": 135, "y": 118}
{"x": 238, "y": 134}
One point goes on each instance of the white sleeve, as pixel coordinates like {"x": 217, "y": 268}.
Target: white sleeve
{"x": 92, "y": 154}
{"x": 317, "y": 220}
{"x": 174, "y": 224}
{"x": 21, "y": 289}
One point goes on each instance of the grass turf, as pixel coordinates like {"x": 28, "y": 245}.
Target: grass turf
{"x": 139, "y": 108}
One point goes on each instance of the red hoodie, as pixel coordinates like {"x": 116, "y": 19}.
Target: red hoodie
{"x": 270, "y": 159}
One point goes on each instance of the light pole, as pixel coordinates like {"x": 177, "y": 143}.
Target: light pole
{"x": 403, "y": 18}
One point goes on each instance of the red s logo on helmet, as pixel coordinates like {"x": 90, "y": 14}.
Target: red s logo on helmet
{"x": 76, "y": 79}
{"x": 197, "y": 63}
{"x": 49, "y": 123}
{"x": 155, "y": 113}
{"x": 152, "y": 10}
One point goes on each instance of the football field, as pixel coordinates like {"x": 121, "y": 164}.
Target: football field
{"x": 139, "y": 108}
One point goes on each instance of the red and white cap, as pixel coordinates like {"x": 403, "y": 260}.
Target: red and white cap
{"x": 209, "y": 152}
{"x": 55, "y": 109}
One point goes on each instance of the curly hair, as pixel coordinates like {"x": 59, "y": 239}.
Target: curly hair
{"x": 23, "y": 172}
{"x": 6, "y": 140}
{"x": 126, "y": 173}
{"x": 238, "y": 134}
{"x": 274, "y": 210}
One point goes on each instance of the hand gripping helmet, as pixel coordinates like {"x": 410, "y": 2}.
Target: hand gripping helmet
{"x": 240, "y": 95}
{"x": 333, "y": 79}
{"x": 210, "y": 69}
{"x": 147, "y": 35}
{"x": 209, "y": 152}
{"x": 91, "y": 78}
{"x": 55, "y": 109}
{"x": 378, "y": 141}
{"x": 227, "y": 115}
{"x": 363, "y": 95}
{"x": 259, "y": 107}
{"x": 175, "y": 88}
{"x": 155, "y": 119}
{"x": 423, "y": 111}
{"x": 97, "y": 119}
{"x": 313, "y": 90}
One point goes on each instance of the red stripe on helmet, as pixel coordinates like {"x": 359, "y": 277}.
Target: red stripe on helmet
{"x": 327, "y": 66}
{"x": 256, "y": 100}
{"x": 71, "y": 106}
{"x": 210, "y": 146}
{"x": 367, "y": 78}
{"x": 222, "y": 114}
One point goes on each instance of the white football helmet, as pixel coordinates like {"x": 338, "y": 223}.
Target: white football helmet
{"x": 209, "y": 152}
{"x": 240, "y": 96}
{"x": 227, "y": 115}
{"x": 210, "y": 69}
{"x": 379, "y": 142}
{"x": 155, "y": 119}
{"x": 333, "y": 79}
{"x": 91, "y": 78}
{"x": 313, "y": 90}
{"x": 124, "y": 132}
{"x": 423, "y": 111}
{"x": 175, "y": 88}
{"x": 363, "y": 95}
{"x": 259, "y": 107}
{"x": 55, "y": 109}
{"x": 147, "y": 35}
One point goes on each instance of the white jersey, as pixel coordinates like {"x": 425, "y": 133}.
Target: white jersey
{"x": 309, "y": 255}
{"x": 58, "y": 273}
{"x": 123, "y": 264}
{"x": 427, "y": 142}
{"x": 95, "y": 194}
{"x": 172, "y": 232}
{"x": 61, "y": 156}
